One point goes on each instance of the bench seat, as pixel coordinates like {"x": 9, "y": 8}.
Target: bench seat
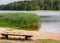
{"x": 26, "y": 36}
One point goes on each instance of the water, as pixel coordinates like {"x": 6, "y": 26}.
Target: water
{"x": 50, "y": 27}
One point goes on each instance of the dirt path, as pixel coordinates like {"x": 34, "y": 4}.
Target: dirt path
{"x": 36, "y": 34}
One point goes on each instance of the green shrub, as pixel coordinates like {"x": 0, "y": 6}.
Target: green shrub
{"x": 18, "y": 20}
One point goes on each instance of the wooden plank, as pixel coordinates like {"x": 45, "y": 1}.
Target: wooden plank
{"x": 26, "y": 36}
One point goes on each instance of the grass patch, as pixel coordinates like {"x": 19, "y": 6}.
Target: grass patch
{"x": 47, "y": 41}
{"x": 19, "y": 20}
{"x": 30, "y": 41}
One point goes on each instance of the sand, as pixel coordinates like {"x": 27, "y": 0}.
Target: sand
{"x": 36, "y": 34}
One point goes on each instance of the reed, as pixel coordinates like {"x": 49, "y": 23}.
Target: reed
{"x": 18, "y": 20}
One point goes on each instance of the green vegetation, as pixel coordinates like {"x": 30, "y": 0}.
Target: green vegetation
{"x": 19, "y": 20}
{"x": 32, "y": 5}
{"x": 36, "y": 41}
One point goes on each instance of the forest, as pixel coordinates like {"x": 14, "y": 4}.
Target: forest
{"x": 32, "y": 5}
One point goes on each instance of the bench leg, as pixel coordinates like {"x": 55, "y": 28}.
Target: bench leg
{"x": 6, "y": 36}
{"x": 26, "y": 37}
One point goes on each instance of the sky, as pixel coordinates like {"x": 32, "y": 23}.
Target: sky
{"x": 7, "y": 1}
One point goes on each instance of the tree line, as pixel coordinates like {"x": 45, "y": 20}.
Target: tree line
{"x": 32, "y": 5}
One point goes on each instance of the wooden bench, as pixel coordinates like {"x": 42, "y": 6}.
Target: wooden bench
{"x": 26, "y": 36}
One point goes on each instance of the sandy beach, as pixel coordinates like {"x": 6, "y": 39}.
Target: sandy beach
{"x": 36, "y": 34}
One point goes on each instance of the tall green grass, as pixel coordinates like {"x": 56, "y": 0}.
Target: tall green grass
{"x": 18, "y": 20}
